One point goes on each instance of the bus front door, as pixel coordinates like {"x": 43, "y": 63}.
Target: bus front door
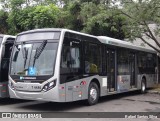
{"x": 132, "y": 70}
{"x": 111, "y": 70}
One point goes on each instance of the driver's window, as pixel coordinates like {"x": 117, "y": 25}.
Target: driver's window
{"x": 70, "y": 57}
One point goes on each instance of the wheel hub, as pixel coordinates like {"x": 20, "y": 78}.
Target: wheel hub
{"x": 93, "y": 94}
{"x": 143, "y": 87}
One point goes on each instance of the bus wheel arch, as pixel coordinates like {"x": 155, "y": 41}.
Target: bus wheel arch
{"x": 97, "y": 82}
{"x": 143, "y": 85}
{"x": 93, "y": 92}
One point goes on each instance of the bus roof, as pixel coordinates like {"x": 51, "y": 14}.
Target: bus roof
{"x": 54, "y": 29}
{"x": 102, "y": 39}
{"x": 121, "y": 43}
{"x": 5, "y": 35}
{"x": 1, "y": 35}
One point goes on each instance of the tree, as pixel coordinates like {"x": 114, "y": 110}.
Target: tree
{"x": 32, "y": 17}
{"x": 102, "y": 20}
{"x": 3, "y": 22}
{"x": 90, "y": 16}
{"x": 140, "y": 14}
{"x": 75, "y": 22}
{"x": 14, "y": 15}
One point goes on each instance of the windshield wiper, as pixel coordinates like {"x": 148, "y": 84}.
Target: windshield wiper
{"x": 25, "y": 54}
{"x": 39, "y": 50}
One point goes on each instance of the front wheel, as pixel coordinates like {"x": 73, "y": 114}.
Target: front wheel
{"x": 93, "y": 94}
{"x": 143, "y": 86}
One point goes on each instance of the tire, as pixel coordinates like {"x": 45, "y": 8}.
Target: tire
{"x": 143, "y": 86}
{"x": 93, "y": 94}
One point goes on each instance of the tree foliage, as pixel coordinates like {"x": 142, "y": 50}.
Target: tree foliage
{"x": 90, "y": 16}
{"x": 114, "y": 18}
{"x": 3, "y": 22}
{"x": 101, "y": 20}
{"x": 140, "y": 14}
{"x": 32, "y": 17}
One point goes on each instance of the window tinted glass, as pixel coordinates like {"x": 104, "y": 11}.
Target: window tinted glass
{"x": 151, "y": 60}
{"x": 70, "y": 57}
{"x": 123, "y": 62}
{"x": 142, "y": 60}
{"x": 93, "y": 58}
{"x": 146, "y": 63}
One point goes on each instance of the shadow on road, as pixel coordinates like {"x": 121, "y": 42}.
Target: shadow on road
{"x": 10, "y": 101}
{"x": 118, "y": 96}
{"x": 53, "y": 106}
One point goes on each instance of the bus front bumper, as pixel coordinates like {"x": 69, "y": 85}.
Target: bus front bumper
{"x": 51, "y": 95}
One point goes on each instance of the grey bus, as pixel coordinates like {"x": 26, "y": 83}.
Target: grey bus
{"x": 6, "y": 43}
{"x": 62, "y": 65}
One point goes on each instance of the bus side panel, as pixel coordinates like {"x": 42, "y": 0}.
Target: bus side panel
{"x": 123, "y": 84}
{"x": 61, "y": 92}
{"x": 103, "y": 85}
{"x": 151, "y": 80}
{"x": 78, "y": 89}
{"x": 73, "y": 90}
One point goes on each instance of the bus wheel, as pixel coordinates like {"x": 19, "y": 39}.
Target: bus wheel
{"x": 143, "y": 86}
{"x": 93, "y": 94}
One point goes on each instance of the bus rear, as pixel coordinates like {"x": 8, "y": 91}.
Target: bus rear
{"x": 6, "y": 43}
{"x": 34, "y": 66}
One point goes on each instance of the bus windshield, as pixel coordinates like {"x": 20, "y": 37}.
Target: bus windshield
{"x": 34, "y": 59}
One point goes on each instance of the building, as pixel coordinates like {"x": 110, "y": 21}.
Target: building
{"x": 139, "y": 42}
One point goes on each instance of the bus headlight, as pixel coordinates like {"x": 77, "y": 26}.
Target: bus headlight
{"x": 49, "y": 86}
{"x": 11, "y": 85}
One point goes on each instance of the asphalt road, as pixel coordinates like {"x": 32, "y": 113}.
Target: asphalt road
{"x": 126, "y": 102}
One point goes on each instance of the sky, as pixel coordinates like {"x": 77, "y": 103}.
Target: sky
{"x": 0, "y": 6}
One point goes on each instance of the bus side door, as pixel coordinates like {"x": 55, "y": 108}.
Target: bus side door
{"x": 71, "y": 68}
{"x": 111, "y": 73}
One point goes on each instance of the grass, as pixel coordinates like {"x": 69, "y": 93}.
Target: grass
{"x": 157, "y": 88}
{"x": 158, "y": 85}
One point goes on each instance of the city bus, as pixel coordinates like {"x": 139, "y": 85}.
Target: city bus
{"x": 6, "y": 43}
{"x": 61, "y": 65}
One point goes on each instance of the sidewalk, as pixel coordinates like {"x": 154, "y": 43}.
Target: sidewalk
{"x": 155, "y": 90}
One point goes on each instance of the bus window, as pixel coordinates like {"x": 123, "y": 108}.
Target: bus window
{"x": 123, "y": 62}
{"x": 146, "y": 63}
{"x": 70, "y": 57}
{"x": 93, "y": 57}
{"x": 142, "y": 60}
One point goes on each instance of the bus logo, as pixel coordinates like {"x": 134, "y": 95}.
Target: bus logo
{"x": 123, "y": 79}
